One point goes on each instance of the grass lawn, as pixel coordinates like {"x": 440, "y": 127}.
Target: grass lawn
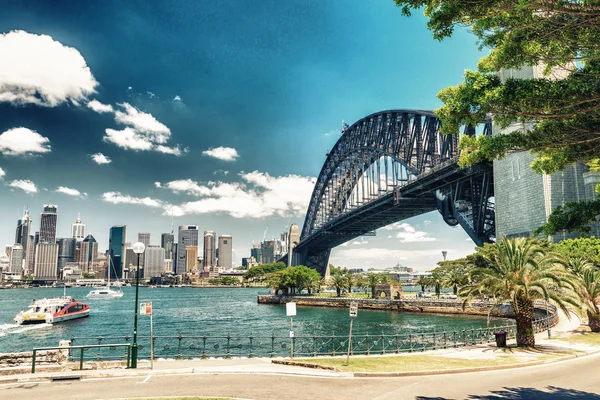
{"x": 414, "y": 363}
{"x": 582, "y": 335}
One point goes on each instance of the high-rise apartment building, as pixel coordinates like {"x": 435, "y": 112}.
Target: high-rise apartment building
{"x": 66, "y": 251}
{"x": 144, "y": 237}
{"x": 78, "y": 230}
{"x": 48, "y": 222}
{"x": 255, "y": 252}
{"x": 88, "y": 249}
{"x": 191, "y": 258}
{"x": 188, "y": 236}
{"x": 154, "y": 261}
{"x": 116, "y": 251}
{"x": 225, "y": 251}
{"x": 23, "y": 237}
{"x": 209, "y": 256}
{"x": 46, "y": 261}
{"x": 15, "y": 259}
{"x": 166, "y": 242}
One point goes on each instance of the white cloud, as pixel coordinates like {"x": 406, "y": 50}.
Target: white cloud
{"x": 128, "y": 139}
{"x": 100, "y": 158}
{"x": 26, "y": 185}
{"x": 168, "y": 150}
{"x": 23, "y": 141}
{"x": 99, "y": 107}
{"x": 158, "y": 185}
{"x": 221, "y": 171}
{"x": 152, "y": 95}
{"x": 36, "y": 69}
{"x": 177, "y": 98}
{"x": 70, "y": 192}
{"x": 118, "y": 198}
{"x": 222, "y": 153}
{"x": 259, "y": 195}
{"x": 2, "y": 174}
{"x": 143, "y": 123}
{"x": 408, "y": 234}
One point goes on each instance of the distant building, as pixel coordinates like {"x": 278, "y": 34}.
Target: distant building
{"x": 66, "y": 251}
{"x": 23, "y": 236}
{"x": 267, "y": 251}
{"x": 116, "y": 251}
{"x": 225, "y": 251}
{"x": 15, "y": 259}
{"x": 48, "y": 222}
{"x": 249, "y": 262}
{"x": 89, "y": 251}
{"x": 144, "y": 237}
{"x": 154, "y": 261}
{"x": 209, "y": 256}
{"x": 187, "y": 236}
{"x": 166, "y": 242}
{"x": 78, "y": 230}
{"x": 168, "y": 266}
{"x": 46, "y": 261}
{"x": 255, "y": 252}
{"x": 191, "y": 258}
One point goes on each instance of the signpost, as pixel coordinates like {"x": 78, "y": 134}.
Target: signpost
{"x": 290, "y": 311}
{"x": 146, "y": 309}
{"x": 353, "y": 314}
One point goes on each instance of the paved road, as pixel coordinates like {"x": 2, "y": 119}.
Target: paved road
{"x": 573, "y": 379}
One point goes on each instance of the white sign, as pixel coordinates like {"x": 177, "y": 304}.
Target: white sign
{"x": 353, "y": 309}
{"x": 146, "y": 308}
{"x": 290, "y": 309}
{"x": 291, "y": 334}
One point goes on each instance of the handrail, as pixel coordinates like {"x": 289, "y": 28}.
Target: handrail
{"x": 82, "y": 348}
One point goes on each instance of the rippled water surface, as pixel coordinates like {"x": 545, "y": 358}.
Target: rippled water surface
{"x": 211, "y": 312}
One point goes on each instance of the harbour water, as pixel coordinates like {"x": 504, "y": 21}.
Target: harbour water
{"x": 210, "y": 311}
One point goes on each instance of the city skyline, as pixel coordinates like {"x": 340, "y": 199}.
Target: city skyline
{"x": 125, "y": 138}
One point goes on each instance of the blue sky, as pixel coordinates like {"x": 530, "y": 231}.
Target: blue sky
{"x": 219, "y": 113}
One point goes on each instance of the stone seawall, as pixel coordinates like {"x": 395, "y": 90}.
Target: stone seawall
{"x": 55, "y": 357}
{"x": 452, "y": 307}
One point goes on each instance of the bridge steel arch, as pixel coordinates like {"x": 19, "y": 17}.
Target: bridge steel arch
{"x": 389, "y": 166}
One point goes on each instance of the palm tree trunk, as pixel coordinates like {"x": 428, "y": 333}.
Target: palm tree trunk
{"x": 372, "y": 292}
{"x": 339, "y": 292}
{"x": 594, "y": 321}
{"x": 524, "y": 318}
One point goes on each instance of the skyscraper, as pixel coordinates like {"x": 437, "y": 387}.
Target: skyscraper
{"x": 209, "y": 249}
{"x": 166, "y": 242}
{"x": 154, "y": 261}
{"x": 144, "y": 237}
{"x": 267, "y": 251}
{"x": 78, "y": 230}
{"x": 188, "y": 236}
{"x": 48, "y": 221}
{"x": 66, "y": 251}
{"x": 225, "y": 251}
{"x": 116, "y": 251}
{"x": 16, "y": 259}
{"x": 191, "y": 258}
{"x": 255, "y": 252}
{"x": 46, "y": 261}
{"x": 88, "y": 251}
{"x": 23, "y": 237}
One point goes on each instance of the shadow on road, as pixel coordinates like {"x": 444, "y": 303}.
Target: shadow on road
{"x": 552, "y": 393}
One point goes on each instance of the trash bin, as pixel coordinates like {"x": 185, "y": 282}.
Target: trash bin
{"x": 500, "y": 338}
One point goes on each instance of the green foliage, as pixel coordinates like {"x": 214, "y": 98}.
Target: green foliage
{"x": 372, "y": 281}
{"x": 523, "y": 271}
{"x": 260, "y": 272}
{"x": 294, "y": 278}
{"x": 585, "y": 249}
{"x": 339, "y": 282}
{"x": 89, "y": 275}
{"x": 229, "y": 281}
{"x": 558, "y": 110}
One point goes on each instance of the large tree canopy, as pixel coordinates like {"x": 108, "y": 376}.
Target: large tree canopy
{"x": 556, "y": 114}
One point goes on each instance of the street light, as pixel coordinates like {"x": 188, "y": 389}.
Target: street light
{"x": 138, "y": 248}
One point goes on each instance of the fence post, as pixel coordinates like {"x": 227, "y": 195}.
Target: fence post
{"x": 314, "y": 346}
{"x": 98, "y": 357}
{"x": 204, "y": 347}
{"x": 179, "y": 347}
{"x": 367, "y": 342}
{"x": 250, "y": 355}
{"x": 332, "y": 345}
{"x": 33, "y": 361}
{"x": 228, "y": 355}
{"x": 272, "y": 346}
{"x": 410, "y": 346}
{"x": 81, "y": 359}
{"x": 128, "y": 355}
{"x": 397, "y": 350}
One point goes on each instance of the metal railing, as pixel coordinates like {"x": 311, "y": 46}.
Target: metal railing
{"x": 82, "y": 349}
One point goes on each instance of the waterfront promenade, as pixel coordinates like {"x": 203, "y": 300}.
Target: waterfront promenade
{"x": 575, "y": 377}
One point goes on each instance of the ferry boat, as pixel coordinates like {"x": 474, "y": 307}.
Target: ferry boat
{"x": 52, "y": 311}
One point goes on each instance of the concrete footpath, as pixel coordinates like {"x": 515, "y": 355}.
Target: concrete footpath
{"x": 265, "y": 366}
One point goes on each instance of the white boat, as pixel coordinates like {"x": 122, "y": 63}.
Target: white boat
{"x": 52, "y": 311}
{"x": 107, "y": 292}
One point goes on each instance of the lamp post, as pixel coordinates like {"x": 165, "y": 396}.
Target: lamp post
{"x": 138, "y": 248}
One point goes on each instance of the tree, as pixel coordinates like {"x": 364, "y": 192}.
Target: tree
{"x": 590, "y": 293}
{"x": 338, "y": 282}
{"x": 520, "y": 273}
{"x": 229, "y": 280}
{"x": 583, "y": 249}
{"x": 560, "y": 110}
{"x": 437, "y": 281}
{"x": 372, "y": 281}
{"x": 423, "y": 281}
{"x": 454, "y": 280}
{"x": 294, "y": 278}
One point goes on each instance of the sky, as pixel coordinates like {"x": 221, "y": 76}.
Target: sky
{"x": 216, "y": 114}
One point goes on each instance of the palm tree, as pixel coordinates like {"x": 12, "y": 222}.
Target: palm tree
{"x": 520, "y": 273}
{"x": 372, "y": 281}
{"x": 454, "y": 280}
{"x": 338, "y": 282}
{"x": 423, "y": 282}
{"x": 590, "y": 289}
{"x": 437, "y": 282}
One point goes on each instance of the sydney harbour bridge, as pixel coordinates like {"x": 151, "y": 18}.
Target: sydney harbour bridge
{"x": 387, "y": 167}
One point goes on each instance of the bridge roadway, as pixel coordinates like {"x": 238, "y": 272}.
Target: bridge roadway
{"x": 575, "y": 379}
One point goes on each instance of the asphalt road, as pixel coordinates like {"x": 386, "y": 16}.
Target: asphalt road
{"x": 573, "y": 379}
